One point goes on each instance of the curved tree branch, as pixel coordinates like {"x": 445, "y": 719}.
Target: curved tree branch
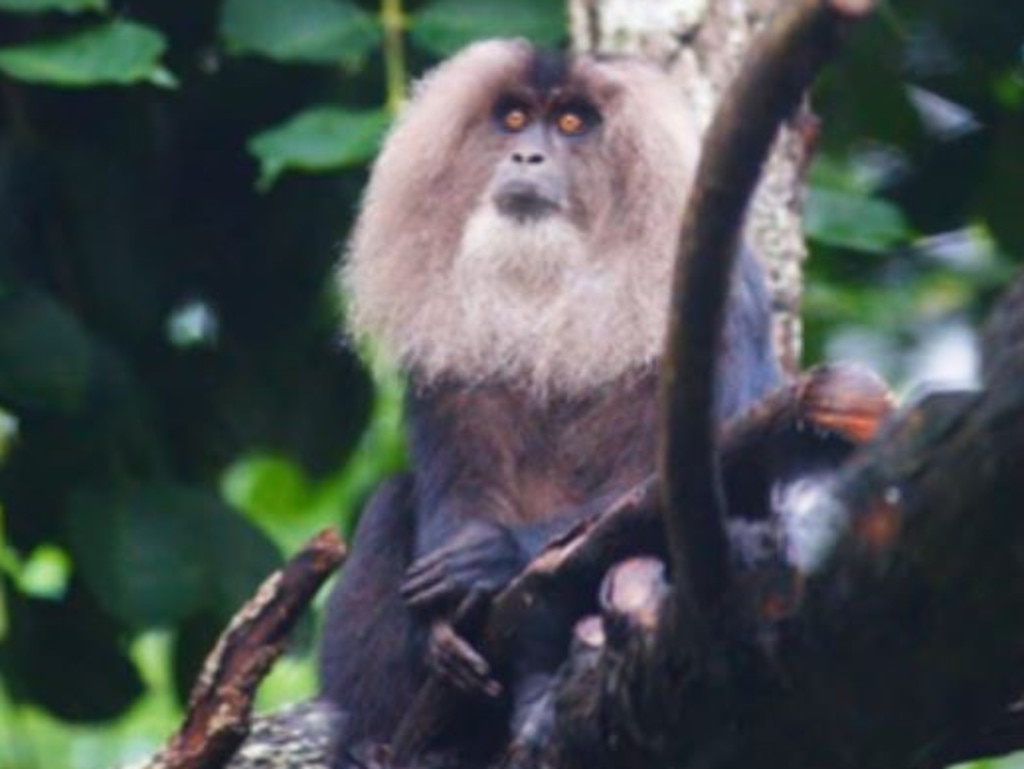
{"x": 903, "y": 641}
{"x": 780, "y": 67}
{"x": 220, "y": 705}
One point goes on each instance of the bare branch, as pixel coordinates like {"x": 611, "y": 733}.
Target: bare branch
{"x": 220, "y": 705}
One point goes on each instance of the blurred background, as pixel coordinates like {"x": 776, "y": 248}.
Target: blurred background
{"x": 177, "y": 409}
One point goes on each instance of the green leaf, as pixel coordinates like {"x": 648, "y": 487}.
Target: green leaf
{"x": 274, "y": 493}
{"x": 46, "y": 358}
{"x": 319, "y": 139}
{"x": 853, "y": 221}
{"x": 253, "y": 558}
{"x": 444, "y": 26}
{"x": 141, "y": 551}
{"x": 42, "y": 6}
{"x": 45, "y": 573}
{"x": 311, "y": 31}
{"x": 267, "y": 487}
{"x": 114, "y": 53}
{"x": 160, "y": 553}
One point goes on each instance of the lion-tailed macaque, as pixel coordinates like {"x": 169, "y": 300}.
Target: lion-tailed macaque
{"x": 514, "y": 255}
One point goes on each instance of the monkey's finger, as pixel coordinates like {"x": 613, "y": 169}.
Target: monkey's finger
{"x": 444, "y": 578}
{"x": 417, "y": 583}
{"x": 450, "y": 650}
{"x": 425, "y": 596}
{"x": 428, "y": 563}
{"x": 441, "y": 580}
{"x": 423, "y": 582}
{"x": 446, "y": 585}
{"x": 460, "y": 664}
{"x": 451, "y": 562}
{"x": 465, "y": 678}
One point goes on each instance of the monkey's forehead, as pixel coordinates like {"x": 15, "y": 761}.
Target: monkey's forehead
{"x": 492, "y": 67}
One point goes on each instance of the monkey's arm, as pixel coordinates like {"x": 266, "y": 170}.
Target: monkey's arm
{"x": 486, "y": 557}
{"x": 486, "y": 501}
{"x": 371, "y": 656}
{"x": 467, "y": 567}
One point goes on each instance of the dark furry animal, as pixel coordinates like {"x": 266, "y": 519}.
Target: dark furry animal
{"x": 513, "y": 255}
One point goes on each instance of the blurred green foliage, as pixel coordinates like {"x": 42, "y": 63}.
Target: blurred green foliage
{"x": 177, "y": 408}
{"x": 914, "y": 207}
{"x": 177, "y": 405}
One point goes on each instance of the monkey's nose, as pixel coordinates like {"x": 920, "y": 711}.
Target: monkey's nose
{"x": 530, "y": 159}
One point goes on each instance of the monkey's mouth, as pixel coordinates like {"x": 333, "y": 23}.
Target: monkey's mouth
{"x": 525, "y": 202}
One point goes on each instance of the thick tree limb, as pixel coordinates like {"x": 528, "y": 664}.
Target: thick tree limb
{"x": 905, "y": 646}
{"x": 220, "y": 706}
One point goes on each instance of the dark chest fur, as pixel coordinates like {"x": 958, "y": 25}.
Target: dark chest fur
{"x": 524, "y": 458}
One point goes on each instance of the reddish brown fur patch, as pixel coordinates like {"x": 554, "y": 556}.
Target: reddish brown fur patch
{"x": 848, "y": 400}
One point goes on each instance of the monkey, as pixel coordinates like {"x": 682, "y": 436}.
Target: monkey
{"x": 513, "y": 255}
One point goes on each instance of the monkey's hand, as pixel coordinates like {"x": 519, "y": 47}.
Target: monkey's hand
{"x": 482, "y": 556}
{"x": 453, "y": 658}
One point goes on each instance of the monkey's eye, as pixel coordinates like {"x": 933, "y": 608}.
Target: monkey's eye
{"x": 571, "y": 124}
{"x": 514, "y": 119}
{"x": 575, "y": 122}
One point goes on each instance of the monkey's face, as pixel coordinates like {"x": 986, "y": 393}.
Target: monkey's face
{"x": 528, "y": 229}
{"x": 532, "y": 177}
{"x": 522, "y": 218}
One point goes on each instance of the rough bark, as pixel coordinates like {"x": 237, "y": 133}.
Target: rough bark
{"x": 220, "y": 706}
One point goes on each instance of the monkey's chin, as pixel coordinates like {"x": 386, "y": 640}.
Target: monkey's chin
{"x": 531, "y": 253}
